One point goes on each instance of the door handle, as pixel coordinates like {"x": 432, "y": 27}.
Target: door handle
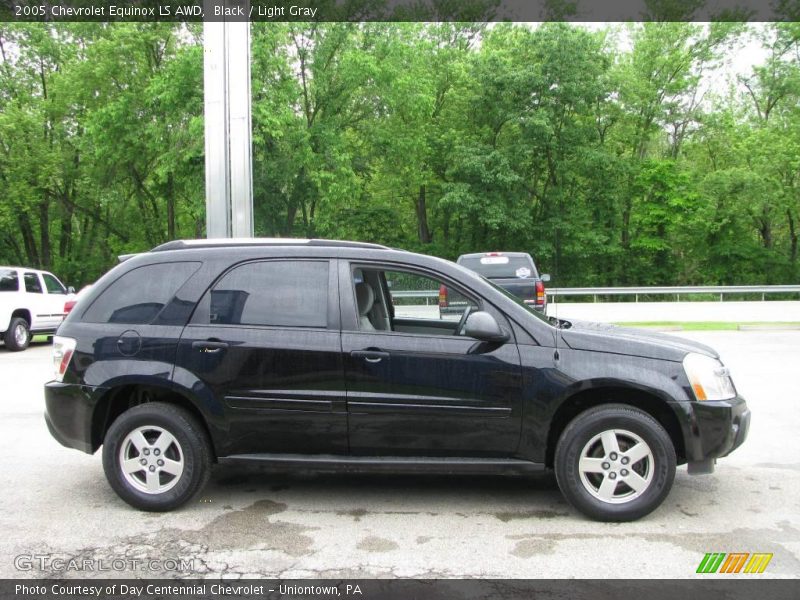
{"x": 209, "y": 346}
{"x": 371, "y": 356}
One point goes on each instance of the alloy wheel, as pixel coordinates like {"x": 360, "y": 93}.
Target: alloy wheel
{"x": 616, "y": 466}
{"x": 151, "y": 459}
{"x": 21, "y": 335}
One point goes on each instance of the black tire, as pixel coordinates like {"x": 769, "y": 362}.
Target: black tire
{"x": 583, "y": 488}
{"x": 10, "y": 337}
{"x": 190, "y": 448}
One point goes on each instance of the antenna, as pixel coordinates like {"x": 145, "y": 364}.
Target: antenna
{"x": 556, "y": 354}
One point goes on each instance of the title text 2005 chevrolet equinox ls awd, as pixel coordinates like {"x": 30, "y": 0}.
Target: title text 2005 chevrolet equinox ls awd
{"x": 322, "y": 354}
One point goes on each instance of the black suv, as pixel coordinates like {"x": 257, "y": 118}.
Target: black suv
{"x": 312, "y": 354}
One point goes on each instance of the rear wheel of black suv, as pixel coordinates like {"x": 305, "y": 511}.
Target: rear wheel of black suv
{"x": 156, "y": 456}
{"x": 615, "y": 463}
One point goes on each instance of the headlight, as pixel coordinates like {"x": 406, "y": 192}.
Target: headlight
{"x": 710, "y": 380}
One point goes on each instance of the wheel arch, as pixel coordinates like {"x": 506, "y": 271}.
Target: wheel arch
{"x": 646, "y": 400}
{"x": 116, "y": 400}
{"x": 23, "y": 313}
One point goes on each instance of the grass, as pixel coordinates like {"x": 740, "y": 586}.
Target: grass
{"x": 704, "y": 325}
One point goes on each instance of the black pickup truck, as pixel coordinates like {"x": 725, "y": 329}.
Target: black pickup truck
{"x": 515, "y": 272}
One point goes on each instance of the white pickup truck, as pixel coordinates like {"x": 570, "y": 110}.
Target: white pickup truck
{"x": 31, "y": 303}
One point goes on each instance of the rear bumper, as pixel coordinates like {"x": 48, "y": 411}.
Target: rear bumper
{"x": 713, "y": 430}
{"x": 541, "y": 307}
{"x": 68, "y": 414}
{"x": 452, "y": 310}
{"x": 457, "y": 310}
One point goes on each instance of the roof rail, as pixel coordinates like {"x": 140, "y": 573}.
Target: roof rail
{"x": 228, "y": 242}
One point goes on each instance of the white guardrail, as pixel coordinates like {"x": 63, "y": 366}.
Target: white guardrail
{"x": 677, "y": 291}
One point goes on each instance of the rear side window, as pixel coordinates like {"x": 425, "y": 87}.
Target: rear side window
{"x": 139, "y": 295}
{"x": 53, "y": 285}
{"x": 500, "y": 266}
{"x": 272, "y": 293}
{"x": 32, "y": 283}
{"x": 9, "y": 281}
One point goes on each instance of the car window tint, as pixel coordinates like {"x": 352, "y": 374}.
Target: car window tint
{"x": 53, "y": 285}
{"x": 32, "y": 283}
{"x": 416, "y": 296}
{"x": 139, "y": 295}
{"x": 9, "y": 282}
{"x": 274, "y": 293}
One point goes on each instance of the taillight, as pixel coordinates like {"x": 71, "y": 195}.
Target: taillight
{"x": 68, "y": 306}
{"x": 442, "y": 296}
{"x": 540, "y": 292}
{"x": 63, "y": 349}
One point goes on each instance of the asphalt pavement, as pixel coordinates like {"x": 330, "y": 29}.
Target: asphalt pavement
{"x": 60, "y": 518}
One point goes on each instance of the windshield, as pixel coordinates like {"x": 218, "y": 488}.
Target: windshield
{"x": 500, "y": 266}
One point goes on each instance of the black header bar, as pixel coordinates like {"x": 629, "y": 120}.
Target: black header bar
{"x": 399, "y": 10}
{"x": 732, "y": 588}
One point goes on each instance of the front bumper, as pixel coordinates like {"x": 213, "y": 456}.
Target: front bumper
{"x": 68, "y": 414}
{"x": 713, "y": 430}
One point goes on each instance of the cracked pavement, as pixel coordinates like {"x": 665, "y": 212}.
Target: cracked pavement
{"x": 252, "y": 523}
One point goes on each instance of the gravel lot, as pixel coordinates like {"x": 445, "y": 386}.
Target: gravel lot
{"x": 57, "y": 505}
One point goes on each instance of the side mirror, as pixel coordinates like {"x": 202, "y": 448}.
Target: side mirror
{"x": 70, "y": 290}
{"x": 483, "y": 326}
{"x": 545, "y": 277}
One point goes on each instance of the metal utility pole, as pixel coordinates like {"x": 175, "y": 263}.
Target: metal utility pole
{"x": 229, "y": 170}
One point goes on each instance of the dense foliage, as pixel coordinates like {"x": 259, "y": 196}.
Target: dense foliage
{"x": 603, "y": 153}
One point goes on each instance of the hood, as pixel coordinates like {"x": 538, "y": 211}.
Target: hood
{"x": 604, "y": 337}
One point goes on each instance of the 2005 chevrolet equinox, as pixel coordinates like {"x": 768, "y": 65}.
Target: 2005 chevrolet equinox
{"x": 328, "y": 355}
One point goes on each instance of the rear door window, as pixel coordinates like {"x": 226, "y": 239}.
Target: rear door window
{"x": 9, "y": 280}
{"x": 138, "y": 296}
{"x": 32, "y": 283}
{"x": 276, "y": 293}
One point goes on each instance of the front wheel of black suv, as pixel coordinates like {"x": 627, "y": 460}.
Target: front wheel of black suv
{"x": 156, "y": 456}
{"x": 615, "y": 463}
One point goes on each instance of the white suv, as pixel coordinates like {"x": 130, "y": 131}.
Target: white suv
{"x": 31, "y": 302}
